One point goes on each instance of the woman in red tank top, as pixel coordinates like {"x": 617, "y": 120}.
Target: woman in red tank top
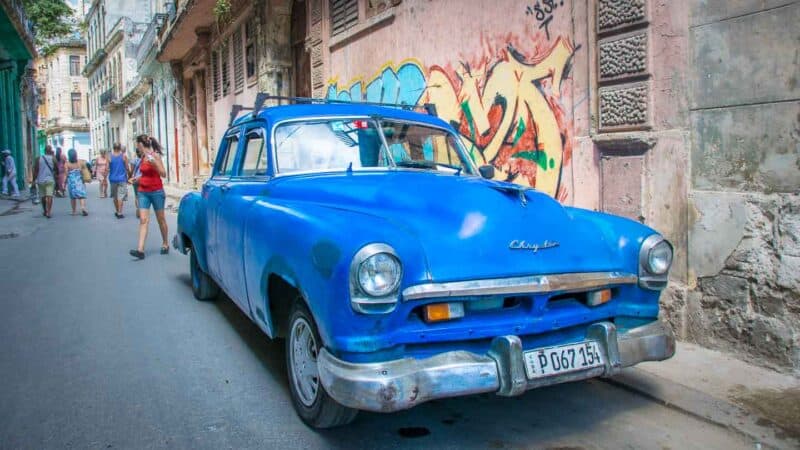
{"x": 150, "y": 192}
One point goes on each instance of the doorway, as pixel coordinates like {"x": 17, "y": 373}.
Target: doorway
{"x": 301, "y": 60}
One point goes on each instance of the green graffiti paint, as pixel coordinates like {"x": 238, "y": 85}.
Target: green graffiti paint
{"x": 520, "y": 131}
{"x": 552, "y": 163}
{"x": 537, "y": 156}
{"x": 472, "y": 135}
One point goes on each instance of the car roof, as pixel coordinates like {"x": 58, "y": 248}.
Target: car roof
{"x": 275, "y": 114}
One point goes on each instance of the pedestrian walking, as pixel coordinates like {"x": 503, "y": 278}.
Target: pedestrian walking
{"x": 77, "y": 174}
{"x": 136, "y": 173}
{"x": 151, "y": 192}
{"x": 119, "y": 169}
{"x": 46, "y": 171}
{"x": 61, "y": 180}
{"x": 101, "y": 172}
{"x": 9, "y": 174}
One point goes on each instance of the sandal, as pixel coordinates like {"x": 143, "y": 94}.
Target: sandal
{"x": 137, "y": 254}
{"x": 164, "y": 250}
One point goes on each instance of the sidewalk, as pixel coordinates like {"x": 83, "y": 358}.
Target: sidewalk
{"x": 174, "y": 195}
{"x": 8, "y": 203}
{"x": 756, "y": 402}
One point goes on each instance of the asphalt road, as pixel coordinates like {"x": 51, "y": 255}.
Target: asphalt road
{"x": 98, "y": 350}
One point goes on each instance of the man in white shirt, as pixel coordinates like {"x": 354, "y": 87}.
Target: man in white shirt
{"x": 10, "y": 173}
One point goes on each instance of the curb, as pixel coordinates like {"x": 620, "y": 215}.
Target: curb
{"x": 702, "y": 406}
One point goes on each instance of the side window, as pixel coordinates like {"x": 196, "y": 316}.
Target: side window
{"x": 255, "y": 158}
{"x": 226, "y": 163}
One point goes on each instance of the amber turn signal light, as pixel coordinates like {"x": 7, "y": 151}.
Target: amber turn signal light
{"x": 598, "y": 297}
{"x": 438, "y": 312}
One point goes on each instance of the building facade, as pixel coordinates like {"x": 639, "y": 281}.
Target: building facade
{"x": 114, "y": 30}
{"x": 150, "y": 98}
{"x": 676, "y": 114}
{"x": 19, "y": 94}
{"x": 219, "y": 60}
{"x": 64, "y": 93}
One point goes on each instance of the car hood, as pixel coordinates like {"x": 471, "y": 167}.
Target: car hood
{"x": 466, "y": 225}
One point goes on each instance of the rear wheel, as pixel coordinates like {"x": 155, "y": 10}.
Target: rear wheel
{"x": 203, "y": 287}
{"x": 314, "y": 406}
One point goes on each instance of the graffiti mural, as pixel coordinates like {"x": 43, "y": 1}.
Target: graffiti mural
{"x": 506, "y": 104}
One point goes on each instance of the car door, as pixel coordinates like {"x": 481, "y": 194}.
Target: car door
{"x": 214, "y": 191}
{"x": 246, "y": 184}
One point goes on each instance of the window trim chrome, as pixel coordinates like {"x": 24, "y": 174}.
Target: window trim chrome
{"x": 535, "y": 284}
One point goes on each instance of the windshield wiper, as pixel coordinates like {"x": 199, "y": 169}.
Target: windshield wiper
{"x": 415, "y": 164}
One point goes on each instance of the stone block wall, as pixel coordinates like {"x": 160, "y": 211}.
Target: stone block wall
{"x": 744, "y": 207}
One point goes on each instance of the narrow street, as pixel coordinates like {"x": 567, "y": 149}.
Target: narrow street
{"x": 101, "y": 351}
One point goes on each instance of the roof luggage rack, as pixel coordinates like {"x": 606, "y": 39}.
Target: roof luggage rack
{"x": 262, "y": 97}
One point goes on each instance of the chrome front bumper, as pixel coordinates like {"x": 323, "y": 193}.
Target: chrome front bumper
{"x": 404, "y": 383}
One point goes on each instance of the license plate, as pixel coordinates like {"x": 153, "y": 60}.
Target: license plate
{"x": 545, "y": 362}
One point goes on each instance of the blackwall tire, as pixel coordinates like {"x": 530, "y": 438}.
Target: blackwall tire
{"x": 203, "y": 287}
{"x": 313, "y": 405}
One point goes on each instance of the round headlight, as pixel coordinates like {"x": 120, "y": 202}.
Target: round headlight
{"x": 379, "y": 275}
{"x": 659, "y": 258}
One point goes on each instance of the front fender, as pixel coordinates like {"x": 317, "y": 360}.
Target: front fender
{"x": 311, "y": 247}
{"x": 192, "y": 225}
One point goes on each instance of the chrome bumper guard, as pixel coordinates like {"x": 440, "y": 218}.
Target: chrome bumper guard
{"x": 404, "y": 383}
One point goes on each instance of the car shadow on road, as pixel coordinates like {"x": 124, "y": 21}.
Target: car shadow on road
{"x": 561, "y": 416}
{"x": 269, "y": 352}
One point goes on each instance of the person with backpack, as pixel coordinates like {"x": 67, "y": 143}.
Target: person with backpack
{"x": 9, "y": 173}
{"x": 46, "y": 172}
{"x": 119, "y": 169}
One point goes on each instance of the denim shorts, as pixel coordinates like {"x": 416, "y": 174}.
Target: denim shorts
{"x": 155, "y": 198}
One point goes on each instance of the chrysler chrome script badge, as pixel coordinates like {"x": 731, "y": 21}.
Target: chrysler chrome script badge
{"x": 522, "y": 245}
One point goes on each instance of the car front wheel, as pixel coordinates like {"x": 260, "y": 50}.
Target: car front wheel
{"x": 314, "y": 406}
{"x": 203, "y": 287}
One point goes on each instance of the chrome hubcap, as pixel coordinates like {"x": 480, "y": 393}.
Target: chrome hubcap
{"x": 303, "y": 361}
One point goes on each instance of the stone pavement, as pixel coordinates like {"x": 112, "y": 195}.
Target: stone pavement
{"x": 757, "y": 402}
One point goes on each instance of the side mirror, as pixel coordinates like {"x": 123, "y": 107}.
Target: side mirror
{"x": 487, "y": 171}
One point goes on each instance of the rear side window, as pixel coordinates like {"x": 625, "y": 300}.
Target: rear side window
{"x": 255, "y": 158}
{"x": 226, "y": 164}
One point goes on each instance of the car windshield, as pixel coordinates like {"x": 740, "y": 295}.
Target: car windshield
{"x": 356, "y": 143}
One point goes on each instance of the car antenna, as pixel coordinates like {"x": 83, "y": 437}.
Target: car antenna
{"x": 350, "y": 167}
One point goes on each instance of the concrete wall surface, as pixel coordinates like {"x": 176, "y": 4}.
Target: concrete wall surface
{"x": 744, "y": 231}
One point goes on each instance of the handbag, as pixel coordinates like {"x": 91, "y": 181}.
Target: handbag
{"x": 85, "y": 174}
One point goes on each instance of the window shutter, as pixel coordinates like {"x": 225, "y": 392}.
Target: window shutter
{"x": 225, "y": 54}
{"x": 238, "y": 60}
{"x": 250, "y": 47}
{"x": 215, "y": 73}
{"x": 344, "y": 14}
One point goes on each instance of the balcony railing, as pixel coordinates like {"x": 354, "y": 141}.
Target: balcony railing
{"x": 108, "y": 98}
{"x": 149, "y": 37}
{"x": 77, "y": 123}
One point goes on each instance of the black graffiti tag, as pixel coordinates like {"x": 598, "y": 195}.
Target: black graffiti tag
{"x": 543, "y": 10}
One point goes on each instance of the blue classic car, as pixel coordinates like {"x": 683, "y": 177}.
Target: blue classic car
{"x": 399, "y": 272}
